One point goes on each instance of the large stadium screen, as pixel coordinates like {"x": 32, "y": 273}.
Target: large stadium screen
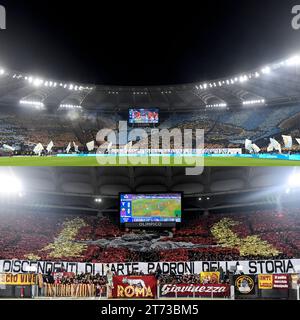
{"x": 143, "y": 116}
{"x": 150, "y": 208}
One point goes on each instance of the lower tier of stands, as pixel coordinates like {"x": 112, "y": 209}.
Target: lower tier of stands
{"x": 243, "y": 236}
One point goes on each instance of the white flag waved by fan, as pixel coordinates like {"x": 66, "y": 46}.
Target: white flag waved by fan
{"x": 298, "y": 140}
{"x": 7, "y": 147}
{"x": 75, "y": 147}
{"x": 270, "y": 148}
{"x": 90, "y": 145}
{"x": 38, "y": 149}
{"x": 288, "y": 141}
{"x": 255, "y": 148}
{"x": 275, "y": 144}
{"x": 68, "y": 147}
{"x": 248, "y": 145}
{"x": 50, "y": 146}
{"x": 128, "y": 146}
{"x": 109, "y": 146}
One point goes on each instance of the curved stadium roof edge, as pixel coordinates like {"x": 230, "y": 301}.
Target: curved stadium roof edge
{"x": 278, "y": 81}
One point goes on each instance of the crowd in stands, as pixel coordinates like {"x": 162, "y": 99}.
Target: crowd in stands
{"x": 81, "y": 278}
{"x": 193, "y": 278}
{"x": 223, "y": 129}
{"x": 25, "y": 235}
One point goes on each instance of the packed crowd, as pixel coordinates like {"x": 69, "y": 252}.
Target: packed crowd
{"x": 71, "y": 278}
{"x": 193, "y": 279}
{"x": 49, "y": 237}
{"x": 222, "y": 129}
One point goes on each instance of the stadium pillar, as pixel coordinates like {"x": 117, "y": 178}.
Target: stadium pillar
{"x": 232, "y": 293}
{"x": 298, "y": 292}
{"x": 22, "y": 292}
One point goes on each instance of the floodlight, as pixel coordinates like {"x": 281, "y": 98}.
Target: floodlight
{"x": 266, "y": 70}
{"x": 35, "y": 104}
{"x": 251, "y": 102}
{"x": 70, "y": 106}
{"x": 9, "y": 184}
{"x": 294, "y": 180}
{"x": 37, "y": 82}
{"x": 293, "y": 61}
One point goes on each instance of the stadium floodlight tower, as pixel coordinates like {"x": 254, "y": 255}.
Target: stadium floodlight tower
{"x": 293, "y": 182}
{"x": 10, "y": 185}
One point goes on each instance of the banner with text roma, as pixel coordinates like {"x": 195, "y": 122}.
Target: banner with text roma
{"x": 134, "y": 287}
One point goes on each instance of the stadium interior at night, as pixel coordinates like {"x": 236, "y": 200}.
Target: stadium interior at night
{"x": 252, "y": 106}
{"x": 64, "y": 224}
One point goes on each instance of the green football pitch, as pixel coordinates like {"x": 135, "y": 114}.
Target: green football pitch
{"x": 142, "y": 161}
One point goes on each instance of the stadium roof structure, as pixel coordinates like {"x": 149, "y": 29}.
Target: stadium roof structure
{"x": 77, "y": 189}
{"x": 276, "y": 83}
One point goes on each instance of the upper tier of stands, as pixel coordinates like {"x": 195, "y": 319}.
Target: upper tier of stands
{"x": 222, "y": 127}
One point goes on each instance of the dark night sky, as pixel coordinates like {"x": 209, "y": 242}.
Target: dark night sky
{"x": 146, "y": 42}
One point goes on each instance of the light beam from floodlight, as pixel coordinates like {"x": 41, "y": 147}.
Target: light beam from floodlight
{"x": 294, "y": 180}
{"x": 9, "y": 184}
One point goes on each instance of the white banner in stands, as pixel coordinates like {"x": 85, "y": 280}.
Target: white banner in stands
{"x": 248, "y": 267}
{"x": 134, "y": 150}
{"x": 288, "y": 141}
{"x": 50, "y": 146}
{"x": 90, "y": 145}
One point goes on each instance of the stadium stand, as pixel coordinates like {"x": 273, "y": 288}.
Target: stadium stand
{"x": 86, "y": 238}
{"x": 223, "y": 128}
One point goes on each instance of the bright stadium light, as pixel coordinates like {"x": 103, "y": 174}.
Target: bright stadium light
{"x": 243, "y": 78}
{"x": 31, "y": 103}
{"x": 9, "y": 184}
{"x": 217, "y": 105}
{"x": 252, "y": 102}
{"x": 293, "y": 61}
{"x": 2, "y": 71}
{"x": 70, "y": 106}
{"x": 294, "y": 180}
{"x": 98, "y": 200}
{"x": 266, "y": 70}
{"x": 38, "y": 82}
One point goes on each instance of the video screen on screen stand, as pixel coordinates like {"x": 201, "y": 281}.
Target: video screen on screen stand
{"x": 143, "y": 116}
{"x": 150, "y": 209}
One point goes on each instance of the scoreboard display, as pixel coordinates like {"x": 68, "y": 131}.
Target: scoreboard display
{"x": 150, "y": 209}
{"x": 143, "y": 116}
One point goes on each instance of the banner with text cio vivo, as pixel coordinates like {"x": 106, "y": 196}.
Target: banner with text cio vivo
{"x": 18, "y": 279}
{"x": 134, "y": 287}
